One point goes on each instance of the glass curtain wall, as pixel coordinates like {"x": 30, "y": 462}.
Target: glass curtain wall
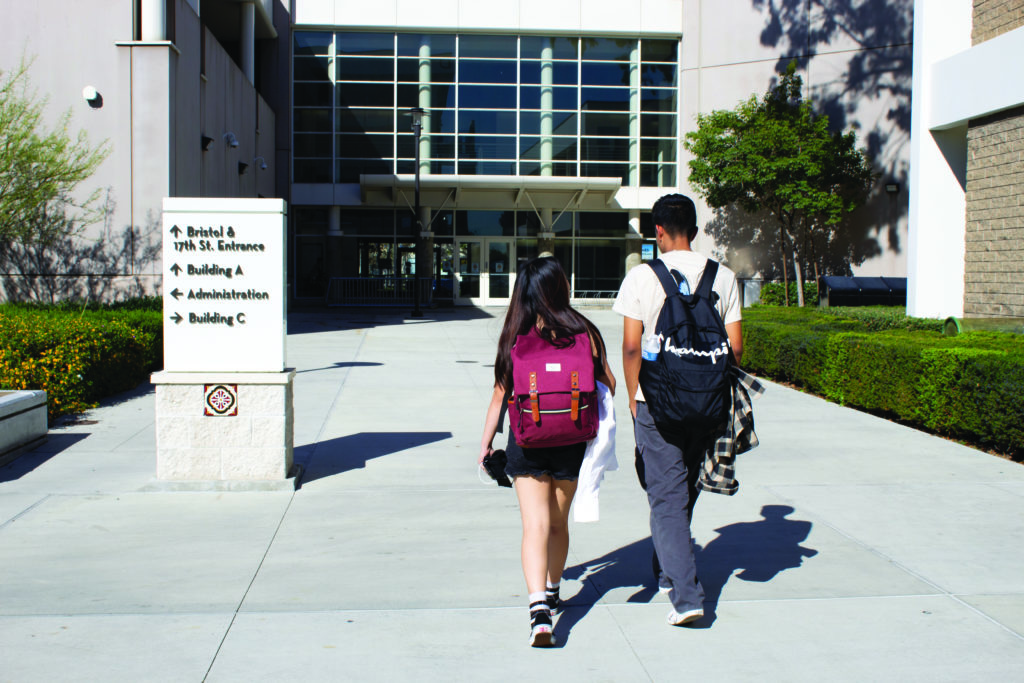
{"x": 496, "y": 105}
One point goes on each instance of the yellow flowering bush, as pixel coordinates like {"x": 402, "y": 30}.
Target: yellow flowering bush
{"x": 77, "y": 358}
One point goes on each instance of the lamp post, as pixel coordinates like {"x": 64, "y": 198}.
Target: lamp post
{"x": 417, "y": 128}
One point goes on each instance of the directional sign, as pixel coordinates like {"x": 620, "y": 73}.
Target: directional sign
{"x": 224, "y": 284}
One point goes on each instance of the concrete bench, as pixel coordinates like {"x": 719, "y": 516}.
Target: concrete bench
{"x": 22, "y": 422}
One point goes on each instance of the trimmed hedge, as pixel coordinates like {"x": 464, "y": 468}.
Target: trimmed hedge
{"x": 77, "y": 357}
{"x": 773, "y": 294}
{"x": 968, "y": 386}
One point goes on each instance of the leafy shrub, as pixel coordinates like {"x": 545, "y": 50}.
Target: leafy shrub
{"x": 773, "y": 294}
{"x": 967, "y": 386}
{"x": 884, "y": 318}
{"x": 77, "y": 358}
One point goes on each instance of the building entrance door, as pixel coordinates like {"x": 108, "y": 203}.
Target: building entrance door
{"x": 486, "y": 271}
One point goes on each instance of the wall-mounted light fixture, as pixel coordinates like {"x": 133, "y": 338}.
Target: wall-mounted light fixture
{"x": 206, "y": 141}
{"x": 92, "y": 96}
{"x": 261, "y": 163}
{"x": 230, "y": 139}
{"x": 242, "y": 167}
{"x": 892, "y": 188}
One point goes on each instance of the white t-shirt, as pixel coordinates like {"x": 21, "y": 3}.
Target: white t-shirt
{"x": 641, "y": 295}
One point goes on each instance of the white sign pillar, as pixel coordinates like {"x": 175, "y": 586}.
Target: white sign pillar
{"x": 224, "y": 416}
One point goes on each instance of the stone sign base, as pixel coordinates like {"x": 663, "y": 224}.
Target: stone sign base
{"x": 22, "y": 423}
{"x": 224, "y": 430}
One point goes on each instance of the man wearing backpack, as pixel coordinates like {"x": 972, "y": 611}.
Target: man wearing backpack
{"x": 670, "y": 454}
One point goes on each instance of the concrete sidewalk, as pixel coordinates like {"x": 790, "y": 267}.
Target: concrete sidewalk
{"x": 856, "y": 549}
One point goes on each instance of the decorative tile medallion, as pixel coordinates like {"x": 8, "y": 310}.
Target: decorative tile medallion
{"x": 221, "y": 400}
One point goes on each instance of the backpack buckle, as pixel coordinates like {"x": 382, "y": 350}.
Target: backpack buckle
{"x": 575, "y": 412}
{"x": 534, "y": 401}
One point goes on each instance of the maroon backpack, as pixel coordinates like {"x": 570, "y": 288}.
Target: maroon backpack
{"x": 554, "y": 395}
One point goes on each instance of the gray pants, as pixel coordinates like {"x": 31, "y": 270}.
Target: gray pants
{"x": 671, "y": 469}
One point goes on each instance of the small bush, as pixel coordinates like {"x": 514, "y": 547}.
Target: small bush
{"x": 77, "y": 357}
{"x": 967, "y": 386}
{"x": 772, "y": 294}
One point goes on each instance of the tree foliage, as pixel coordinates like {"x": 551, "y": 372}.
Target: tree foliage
{"x": 775, "y": 155}
{"x": 40, "y": 169}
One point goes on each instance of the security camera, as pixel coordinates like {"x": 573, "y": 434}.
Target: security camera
{"x": 92, "y": 96}
{"x": 230, "y": 138}
{"x": 261, "y": 162}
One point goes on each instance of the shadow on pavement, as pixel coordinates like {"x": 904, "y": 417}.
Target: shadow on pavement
{"x": 346, "y": 453}
{"x": 355, "y": 364}
{"x": 759, "y": 551}
{"x": 55, "y": 443}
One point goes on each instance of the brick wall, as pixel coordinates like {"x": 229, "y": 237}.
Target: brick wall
{"x": 995, "y": 215}
{"x": 995, "y": 17}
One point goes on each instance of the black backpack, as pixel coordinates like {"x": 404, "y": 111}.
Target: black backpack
{"x": 688, "y": 386}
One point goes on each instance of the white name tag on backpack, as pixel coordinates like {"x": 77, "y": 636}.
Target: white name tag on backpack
{"x": 553, "y": 367}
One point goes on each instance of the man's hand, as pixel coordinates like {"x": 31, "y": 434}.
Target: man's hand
{"x": 632, "y": 339}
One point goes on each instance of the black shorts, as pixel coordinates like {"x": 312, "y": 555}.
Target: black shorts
{"x": 557, "y": 462}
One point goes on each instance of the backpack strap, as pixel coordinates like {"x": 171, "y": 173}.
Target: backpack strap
{"x": 707, "y": 280}
{"x": 668, "y": 283}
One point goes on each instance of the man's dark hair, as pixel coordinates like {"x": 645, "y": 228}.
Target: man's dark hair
{"x": 676, "y": 214}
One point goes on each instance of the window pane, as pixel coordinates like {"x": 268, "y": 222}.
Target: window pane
{"x": 365, "y": 94}
{"x": 657, "y": 175}
{"x": 486, "y": 147}
{"x": 605, "y": 171}
{"x": 313, "y": 146}
{"x": 311, "y": 279}
{"x": 606, "y": 124}
{"x": 312, "y": 69}
{"x": 565, "y": 170}
{"x": 603, "y": 224}
{"x": 313, "y": 94}
{"x": 441, "y": 71}
{"x": 312, "y": 43}
{"x": 439, "y": 121}
{"x": 440, "y": 45}
{"x": 561, "y": 148}
{"x": 365, "y": 120}
{"x": 488, "y": 122}
{"x": 487, "y": 168}
{"x": 658, "y": 125}
{"x": 663, "y": 100}
{"x": 615, "y": 49}
{"x": 312, "y": 120}
{"x": 487, "y": 46}
{"x": 562, "y": 48}
{"x": 605, "y": 149}
{"x": 365, "y": 69}
{"x": 608, "y": 99}
{"x": 368, "y": 222}
{"x": 600, "y": 267}
{"x": 602, "y": 73}
{"x": 441, "y": 146}
{"x": 659, "y": 50}
{"x": 311, "y": 220}
{"x": 441, "y": 96}
{"x": 657, "y": 150}
{"x": 312, "y": 170}
{"x": 480, "y": 71}
{"x": 349, "y": 170}
{"x": 658, "y": 74}
{"x": 487, "y": 97}
{"x": 562, "y": 122}
{"x": 365, "y": 44}
{"x": 491, "y": 223}
{"x": 562, "y": 73}
{"x": 561, "y": 97}
{"x": 374, "y": 146}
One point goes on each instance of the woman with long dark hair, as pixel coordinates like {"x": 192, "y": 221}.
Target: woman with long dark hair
{"x": 545, "y": 478}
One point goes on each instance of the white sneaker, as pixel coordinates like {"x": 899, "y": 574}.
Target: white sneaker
{"x": 677, "y": 619}
{"x": 542, "y": 636}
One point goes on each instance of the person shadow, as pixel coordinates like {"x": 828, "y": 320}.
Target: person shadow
{"x": 752, "y": 551}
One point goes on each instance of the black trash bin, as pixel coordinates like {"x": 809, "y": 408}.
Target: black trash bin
{"x": 836, "y": 290}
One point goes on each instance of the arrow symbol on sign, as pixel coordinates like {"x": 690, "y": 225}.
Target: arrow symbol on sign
{"x": 177, "y": 318}
{"x": 176, "y": 269}
{"x": 176, "y": 293}
{"x": 175, "y": 231}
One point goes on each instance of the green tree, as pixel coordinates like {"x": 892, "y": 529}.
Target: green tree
{"x": 40, "y": 169}
{"x": 775, "y": 155}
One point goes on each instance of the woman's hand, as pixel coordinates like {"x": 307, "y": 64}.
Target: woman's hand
{"x": 484, "y": 452}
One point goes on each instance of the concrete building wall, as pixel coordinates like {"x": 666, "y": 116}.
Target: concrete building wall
{"x": 156, "y": 105}
{"x": 994, "y": 233}
{"x": 855, "y": 61}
